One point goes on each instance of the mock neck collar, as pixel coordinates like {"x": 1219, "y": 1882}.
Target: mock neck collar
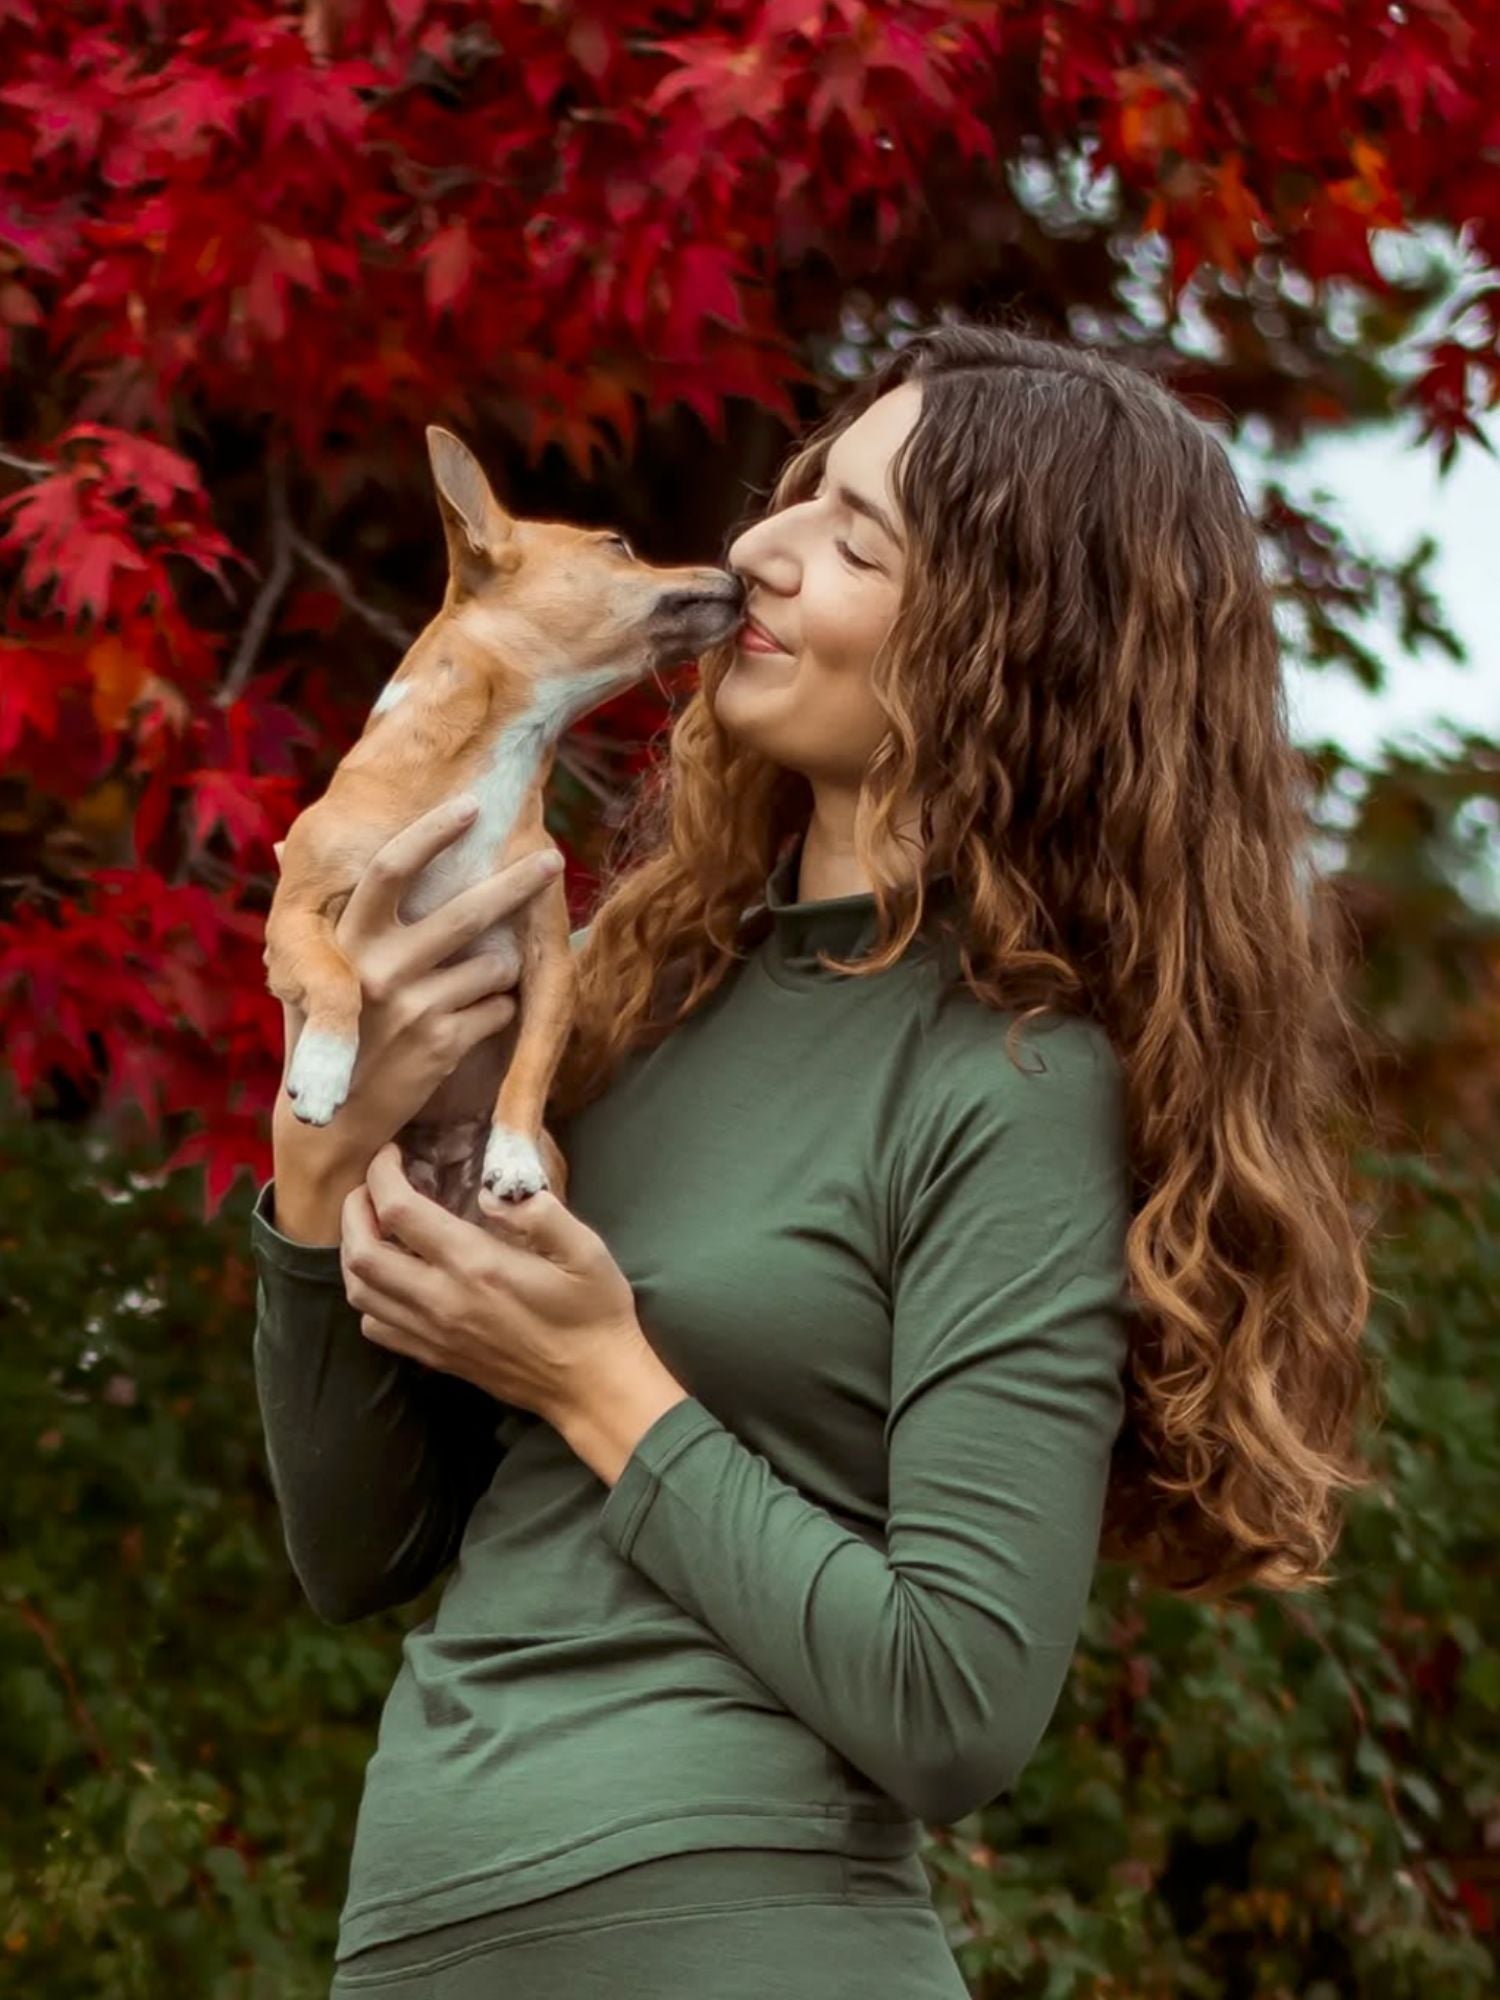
{"x": 846, "y": 926}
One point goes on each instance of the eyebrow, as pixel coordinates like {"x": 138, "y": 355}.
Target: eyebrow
{"x": 858, "y": 504}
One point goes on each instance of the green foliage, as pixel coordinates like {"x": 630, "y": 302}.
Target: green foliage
{"x": 184, "y": 1741}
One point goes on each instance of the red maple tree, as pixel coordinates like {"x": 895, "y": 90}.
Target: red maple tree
{"x": 621, "y": 248}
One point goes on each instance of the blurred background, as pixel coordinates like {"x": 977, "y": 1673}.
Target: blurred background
{"x": 628, "y": 252}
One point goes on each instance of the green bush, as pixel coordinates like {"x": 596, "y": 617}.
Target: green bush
{"x": 1285, "y": 1797}
{"x": 185, "y": 1741}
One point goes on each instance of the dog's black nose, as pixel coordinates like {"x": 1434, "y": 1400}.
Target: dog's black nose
{"x": 720, "y": 588}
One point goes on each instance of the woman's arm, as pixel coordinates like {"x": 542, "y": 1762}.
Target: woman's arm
{"x": 376, "y": 1462}
{"x": 935, "y": 1664}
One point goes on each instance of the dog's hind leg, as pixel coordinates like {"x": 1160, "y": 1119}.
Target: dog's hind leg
{"x": 307, "y": 969}
{"x": 519, "y": 1157}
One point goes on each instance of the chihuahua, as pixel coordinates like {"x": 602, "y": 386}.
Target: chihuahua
{"x": 540, "y": 622}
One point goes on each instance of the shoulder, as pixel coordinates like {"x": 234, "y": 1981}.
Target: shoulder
{"x": 1054, "y": 1110}
{"x": 1051, "y": 1065}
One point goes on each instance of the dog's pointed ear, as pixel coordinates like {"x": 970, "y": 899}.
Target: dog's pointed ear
{"x": 477, "y": 527}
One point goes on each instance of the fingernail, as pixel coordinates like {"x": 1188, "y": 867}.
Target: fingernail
{"x": 552, "y": 863}
{"x": 465, "y": 806}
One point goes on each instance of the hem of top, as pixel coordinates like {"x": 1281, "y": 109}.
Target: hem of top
{"x": 320, "y": 1263}
{"x": 835, "y": 1829}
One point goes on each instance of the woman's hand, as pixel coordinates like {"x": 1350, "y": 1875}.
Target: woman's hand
{"x": 541, "y": 1317}
{"x": 419, "y": 1017}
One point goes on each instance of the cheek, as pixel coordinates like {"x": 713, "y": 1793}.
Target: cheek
{"x": 843, "y": 629}
{"x": 845, "y": 619}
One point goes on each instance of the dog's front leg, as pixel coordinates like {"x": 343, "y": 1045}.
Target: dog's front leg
{"x": 513, "y": 1161}
{"x": 306, "y": 968}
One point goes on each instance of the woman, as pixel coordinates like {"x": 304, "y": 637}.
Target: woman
{"x": 951, "y": 1187}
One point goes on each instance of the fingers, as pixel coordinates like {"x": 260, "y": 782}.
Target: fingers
{"x": 475, "y": 910}
{"x": 400, "y": 1340}
{"x": 483, "y": 1018}
{"x": 454, "y": 987}
{"x": 390, "y": 871}
{"x": 359, "y": 1225}
{"x": 412, "y": 1218}
{"x": 373, "y": 1262}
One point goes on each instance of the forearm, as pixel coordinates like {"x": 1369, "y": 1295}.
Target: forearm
{"x": 314, "y": 1169}
{"x": 376, "y": 1462}
{"x": 936, "y": 1701}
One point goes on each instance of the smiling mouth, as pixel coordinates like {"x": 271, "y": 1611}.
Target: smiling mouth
{"x": 751, "y": 629}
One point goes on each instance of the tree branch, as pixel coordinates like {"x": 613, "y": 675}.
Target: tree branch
{"x": 269, "y": 595}
{"x": 378, "y": 621}
{"x": 33, "y": 468}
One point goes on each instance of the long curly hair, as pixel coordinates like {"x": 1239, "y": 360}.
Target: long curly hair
{"x": 1104, "y": 765}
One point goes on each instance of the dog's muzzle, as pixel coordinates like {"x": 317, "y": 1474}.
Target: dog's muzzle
{"x": 685, "y": 621}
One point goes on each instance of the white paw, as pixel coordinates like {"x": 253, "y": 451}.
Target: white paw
{"x": 318, "y": 1081}
{"x": 512, "y": 1166}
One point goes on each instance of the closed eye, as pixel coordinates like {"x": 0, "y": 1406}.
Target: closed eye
{"x": 855, "y": 562}
{"x": 618, "y": 542}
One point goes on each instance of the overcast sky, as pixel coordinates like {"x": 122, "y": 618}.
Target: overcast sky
{"x": 1386, "y": 493}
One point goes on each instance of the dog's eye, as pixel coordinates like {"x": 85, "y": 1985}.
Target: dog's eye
{"x": 619, "y": 542}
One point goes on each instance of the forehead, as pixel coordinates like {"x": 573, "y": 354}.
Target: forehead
{"x": 863, "y": 453}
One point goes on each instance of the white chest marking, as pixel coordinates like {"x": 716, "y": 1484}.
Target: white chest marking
{"x": 389, "y": 696}
{"x": 501, "y": 786}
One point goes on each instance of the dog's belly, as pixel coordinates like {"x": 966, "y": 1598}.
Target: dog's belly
{"x": 470, "y": 1091}
{"x": 442, "y": 1149}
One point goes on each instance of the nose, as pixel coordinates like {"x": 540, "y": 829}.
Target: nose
{"x": 766, "y": 553}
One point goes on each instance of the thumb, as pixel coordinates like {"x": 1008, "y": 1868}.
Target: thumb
{"x": 539, "y": 1223}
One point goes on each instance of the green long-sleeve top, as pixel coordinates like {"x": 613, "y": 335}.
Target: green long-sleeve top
{"x": 835, "y": 1592}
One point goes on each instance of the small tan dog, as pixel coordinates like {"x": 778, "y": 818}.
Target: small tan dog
{"x": 540, "y": 622}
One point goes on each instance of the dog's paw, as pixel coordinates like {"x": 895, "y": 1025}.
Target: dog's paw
{"x": 318, "y": 1081}
{"x": 512, "y": 1167}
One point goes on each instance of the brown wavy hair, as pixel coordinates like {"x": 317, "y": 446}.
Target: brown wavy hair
{"x": 1104, "y": 764}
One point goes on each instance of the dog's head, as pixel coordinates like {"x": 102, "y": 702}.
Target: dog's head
{"x": 574, "y": 611}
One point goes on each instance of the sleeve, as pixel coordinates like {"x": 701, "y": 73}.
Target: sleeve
{"x": 934, "y": 1665}
{"x": 376, "y": 1462}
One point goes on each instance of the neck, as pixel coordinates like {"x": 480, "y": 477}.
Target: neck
{"x": 829, "y": 864}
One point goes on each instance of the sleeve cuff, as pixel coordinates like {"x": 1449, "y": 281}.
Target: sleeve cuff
{"x": 626, "y": 1504}
{"x": 320, "y": 1262}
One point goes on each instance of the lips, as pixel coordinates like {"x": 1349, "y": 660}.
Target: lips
{"x": 753, "y": 624}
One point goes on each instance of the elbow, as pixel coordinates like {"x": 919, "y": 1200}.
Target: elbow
{"x": 343, "y": 1584}
{"x": 334, "y": 1601}
{"x": 967, "y": 1734}
{"x": 942, "y": 1791}
{"x": 341, "y": 1594}
{"x": 332, "y": 1609}
{"x": 345, "y": 1601}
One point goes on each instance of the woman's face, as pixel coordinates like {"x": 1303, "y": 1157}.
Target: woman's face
{"x": 825, "y": 580}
